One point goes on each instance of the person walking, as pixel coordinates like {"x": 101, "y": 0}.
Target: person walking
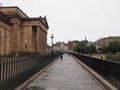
{"x": 61, "y": 56}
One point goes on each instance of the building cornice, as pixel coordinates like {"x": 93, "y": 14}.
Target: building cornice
{"x": 36, "y": 19}
{"x": 18, "y": 13}
{"x": 16, "y": 9}
{"x": 4, "y": 19}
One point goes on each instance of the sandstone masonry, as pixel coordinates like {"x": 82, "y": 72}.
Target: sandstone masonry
{"x": 19, "y": 33}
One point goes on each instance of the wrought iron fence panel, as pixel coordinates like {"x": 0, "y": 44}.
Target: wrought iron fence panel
{"x": 15, "y": 70}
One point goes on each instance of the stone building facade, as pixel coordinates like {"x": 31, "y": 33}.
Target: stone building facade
{"x": 105, "y": 41}
{"x": 20, "y": 33}
{"x": 60, "y": 46}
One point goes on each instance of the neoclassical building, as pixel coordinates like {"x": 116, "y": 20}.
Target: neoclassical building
{"x": 20, "y": 33}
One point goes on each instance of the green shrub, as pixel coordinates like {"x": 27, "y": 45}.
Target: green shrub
{"x": 114, "y": 57}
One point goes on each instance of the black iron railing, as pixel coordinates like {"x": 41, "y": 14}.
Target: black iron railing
{"x": 110, "y": 70}
{"x": 14, "y": 71}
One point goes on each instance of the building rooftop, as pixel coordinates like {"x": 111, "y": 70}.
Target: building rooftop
{"x": 13, "y": 11}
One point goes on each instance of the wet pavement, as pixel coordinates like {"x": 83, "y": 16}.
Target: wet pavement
{"x": 65, "y": 74}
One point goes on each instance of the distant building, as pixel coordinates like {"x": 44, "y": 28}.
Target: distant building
{"x": 105, "y": 41}
{"x": 60, "y": 46}
{"x": 70, "y": 46}
{"x": 20, "y": 33}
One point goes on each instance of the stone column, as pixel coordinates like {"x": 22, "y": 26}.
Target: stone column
{"x": 38, "y": 39}
{"x": 30, "y": 43}
{"x": 18, "y": 38}
{"x": 25, "y": 38}
{"x": 7, "y": 44}
{"x": 10, "y": 41}
{"x": 45, "y": 42}
{"x": 22, "y": 39}
{"x": 2, "y": 41}
{"x": 14, "y": 38}
{"x": 42, "y": 41}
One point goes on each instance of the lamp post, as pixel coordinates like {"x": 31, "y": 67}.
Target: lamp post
{"x": 52, "y": 44}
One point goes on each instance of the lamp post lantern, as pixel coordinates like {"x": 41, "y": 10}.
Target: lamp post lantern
{"x": 52, "y": 37}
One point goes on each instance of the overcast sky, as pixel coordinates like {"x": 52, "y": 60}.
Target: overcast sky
{"x": 74, "y": 19}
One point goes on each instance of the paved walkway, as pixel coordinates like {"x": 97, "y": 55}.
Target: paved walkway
{"x": 65, "y": 74}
